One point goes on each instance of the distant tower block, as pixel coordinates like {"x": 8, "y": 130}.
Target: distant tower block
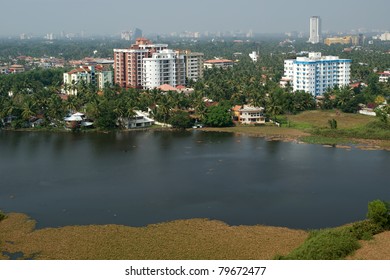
{"x": 315, "y": 30}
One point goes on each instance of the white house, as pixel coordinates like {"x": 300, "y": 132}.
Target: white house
{"x": 249, "y": 114}
{"x": 384, "y": 77}
{"x": 140, "y": 120}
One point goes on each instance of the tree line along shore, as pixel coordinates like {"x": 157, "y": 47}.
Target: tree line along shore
{"x": 38, "y": 93}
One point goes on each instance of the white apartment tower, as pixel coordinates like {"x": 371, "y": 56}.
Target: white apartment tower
{"x": 316, "y": 73}
{"x": 315, "y": 30}
{"x": 164, "y": 67}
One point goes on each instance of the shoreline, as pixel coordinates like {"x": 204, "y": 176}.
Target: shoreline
{"x": 269, "y": 133}
{"x": 297, "y": 136}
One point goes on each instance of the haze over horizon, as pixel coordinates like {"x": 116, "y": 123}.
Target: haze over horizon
{"x": 260, "y": 16}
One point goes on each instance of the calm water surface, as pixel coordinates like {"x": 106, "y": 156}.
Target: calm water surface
{"x": 139, "y": 178}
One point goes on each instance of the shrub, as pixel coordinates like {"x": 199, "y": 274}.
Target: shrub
{"x": 364, "y": 230}
{"x": 378, "y": 213}
{"x": 180, "y": 119}
{"x": 2, "y": 216}
{"x": 218, "y": 116}
{"x": 328, "y": 244}
{"x": 332, "y": 124}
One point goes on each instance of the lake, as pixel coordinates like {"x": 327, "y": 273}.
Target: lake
{"x": 139, "y": 178}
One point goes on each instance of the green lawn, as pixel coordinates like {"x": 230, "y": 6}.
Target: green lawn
{"x": 351, "y": 128}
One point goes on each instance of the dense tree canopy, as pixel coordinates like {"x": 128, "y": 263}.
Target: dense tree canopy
{"x": 37, "y": 92}
{"x": 218, "y": 116}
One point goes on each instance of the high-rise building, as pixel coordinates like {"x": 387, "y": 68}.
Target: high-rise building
{"x": 316, "y": 73}
{"x": 164, "y": 67}
{"x": 193, "y": 64}
{"x": 128, "y": 62}
{"x": 147, "y": 65}
{"x": 315, "y": 30}
{"x": 137, "y": 33}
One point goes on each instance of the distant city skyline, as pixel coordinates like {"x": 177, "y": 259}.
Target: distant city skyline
{"x": 260, "y": 16}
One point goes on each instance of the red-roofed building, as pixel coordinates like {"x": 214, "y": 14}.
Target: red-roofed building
{"x": 355, "y": 85}
{"x": 384, "y": 77}
{"x": 166, "y": 87}
{"x": 14, "y": 69}
{"x": 219, "y": 63}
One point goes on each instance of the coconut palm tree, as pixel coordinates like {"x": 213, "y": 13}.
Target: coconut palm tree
{"x": 55, "y": 108}
{"x": 28, "y": 109}
{"x": 273, "y": 106}
{"x": 72, "y": 103}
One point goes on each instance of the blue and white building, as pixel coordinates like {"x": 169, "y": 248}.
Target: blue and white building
{"x": 316, "y": 73}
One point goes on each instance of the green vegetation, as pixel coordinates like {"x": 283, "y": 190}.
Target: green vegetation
{"x": 351, "y": 128}
{"x": 383, "y": 114}
{"x": 180, "y": 119}
{"x": 321, "y": 140}
{"x": 379, "y": 213}
{"x": 36, "y": 93}
{"x": 365, "y": 230}
{"x": 328, "y": 244}
{"x": 218, "y": 116}
{"x": 2, "y": 215}
{"x": 369, "y": 131}
{"x": 332, "y": 123}
{"x": 338, "y": 243}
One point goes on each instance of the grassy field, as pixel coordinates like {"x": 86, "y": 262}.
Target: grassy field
{"x": 364, "y": 131}
{"x": 319, "y": 119}
{"x": 312, "y": 127}
{"x": 270, "y": 132}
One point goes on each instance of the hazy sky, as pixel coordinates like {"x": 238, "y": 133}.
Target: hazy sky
{"x": 163, "y": 16}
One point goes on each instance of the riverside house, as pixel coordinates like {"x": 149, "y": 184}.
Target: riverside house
{"x": 77, "y": 120}
{"x": 247, "y": 114}
{"x": 139, "y": 120}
